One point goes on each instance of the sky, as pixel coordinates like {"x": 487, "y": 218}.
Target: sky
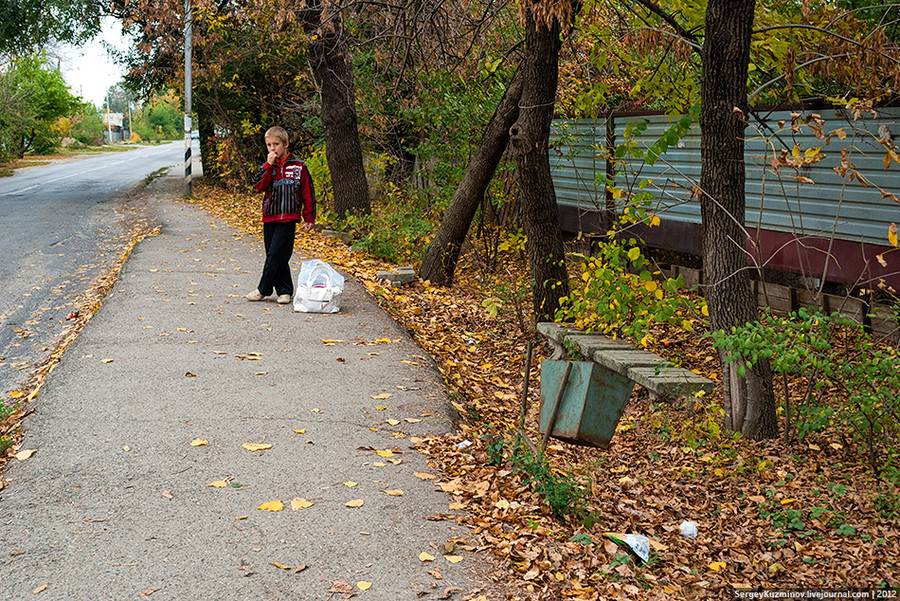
{"x": 88, "y": 69}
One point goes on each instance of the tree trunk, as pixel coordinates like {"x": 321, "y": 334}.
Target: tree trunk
{"x": 529, "y": 141}
{"x": 749, "y": 401}
{"x": 439, "y": 260}
{"x": 330, "y": 61}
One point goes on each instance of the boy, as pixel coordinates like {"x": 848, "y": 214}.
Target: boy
{"x": 289, "y": 198}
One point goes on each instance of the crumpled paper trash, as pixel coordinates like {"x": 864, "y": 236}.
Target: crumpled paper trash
{"x": 637, "y": 543}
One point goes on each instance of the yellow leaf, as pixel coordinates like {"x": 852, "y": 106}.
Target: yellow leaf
{"x": 250, "y": 446}
{"x": 23, "y": 455}
{"x": 107, "y": 360}
{"x": 716, "y": 566}
{"x": 379, "y": 464}
{"x": 298, "y": 504}
{"x": 329, "y": 342}
{"x": 354, "y": 503}
{"x": 892, "y": 234}
{"x": 788, "y": 501}
{"x": 363, "y": 585}
{"x": 650, "y": 285}
{"x": 412, "y": 420}
{"x": 15, "y": 394}
{"x": 381, "y": 408}
{"x": 394, "y": 493}
{"x": 242, "y": 517}
{"x": 457, "y": 506}
{"x": 393, "y": 422}
{"x": 275, "y": 505}
{"x": 281, "y": 566}
{"x": 382, "y": 396}
{"x": 814, "y": 447}
{"x": 396, "y": 461}
{"x": 218, "y": 484}
{"x": 384, "y": 453}
{"x": 687, "y": 325}
{"x": 350, "y": 484}
{"x": 423, "y": 556}
{"x": 424, "y": 476}
{"x": 126, "y": 448}
{"x": 199, "y": 442}
{"x": 705, "y": 310}
{"x": 836, "y": 446}
{"x": 303, "y": 431}
{"x": 40, "y": 589}
{"x": 502, "y": 504}
{"x": 453, "y": 558}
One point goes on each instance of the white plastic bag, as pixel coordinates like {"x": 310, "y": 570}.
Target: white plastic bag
{"x": 319, "y": 288}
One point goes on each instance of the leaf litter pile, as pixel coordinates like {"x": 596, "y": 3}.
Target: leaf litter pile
{"x": 718, "y": 512}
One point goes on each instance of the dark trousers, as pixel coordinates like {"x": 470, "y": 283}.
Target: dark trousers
{"x": 279, "y": 240}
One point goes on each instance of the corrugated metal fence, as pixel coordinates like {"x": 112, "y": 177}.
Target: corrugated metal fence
{"x": 814, "y": 202}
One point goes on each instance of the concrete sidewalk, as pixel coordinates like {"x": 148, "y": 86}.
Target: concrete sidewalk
{"x": 116, "y": 501}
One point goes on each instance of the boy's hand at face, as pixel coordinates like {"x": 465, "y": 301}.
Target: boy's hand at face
{"x": 272, "y": 157}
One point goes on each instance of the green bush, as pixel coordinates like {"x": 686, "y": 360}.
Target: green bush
{"x": 852, "y": 382}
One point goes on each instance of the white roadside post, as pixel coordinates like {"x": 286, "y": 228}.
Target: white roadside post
{"x": 187, "y": 97}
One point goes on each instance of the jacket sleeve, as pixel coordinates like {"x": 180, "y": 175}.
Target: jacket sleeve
{"x": 263, "y": 177}
{"x": 307, "y": 197}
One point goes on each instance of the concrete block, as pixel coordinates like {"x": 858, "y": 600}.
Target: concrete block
{"x": 399, "y": 276}
{"x": 344, "y": 236}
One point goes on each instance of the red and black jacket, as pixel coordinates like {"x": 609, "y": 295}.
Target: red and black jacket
{"x": 290, "y": 195}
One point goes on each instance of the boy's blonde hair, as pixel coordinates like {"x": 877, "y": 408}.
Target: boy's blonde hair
{"x": 278, "y": 132}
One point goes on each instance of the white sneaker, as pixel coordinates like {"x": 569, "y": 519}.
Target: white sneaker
{"x": 254, "y": 296}
{"x": 283, "y": 299}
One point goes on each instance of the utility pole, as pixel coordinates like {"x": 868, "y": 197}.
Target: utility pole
{"x": 187, "y": 97}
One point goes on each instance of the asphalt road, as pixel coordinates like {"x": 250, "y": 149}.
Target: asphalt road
{"x": 62, "y": 225}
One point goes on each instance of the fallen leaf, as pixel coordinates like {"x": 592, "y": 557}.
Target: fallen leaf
{"x": 168, "y": 494}
{"x": 381, "y": 408}
{"x": 218, "y": 484}
{"x": 340, "y": 587}
{"x": 275, "y": 505}
{"x": 199, "y": 442}
{"x": 448, "y": 592}
{"x": 788, "y": 501}
{"x": 453, "y": 558}
{"x": 256, "y": 446}
{"x": 425, "y": 557}
{"x": 300, "y": 503}
{"x": 716, "y": 566}
{"x": 394, "y": 493}
{"x": 363, "y": 585}
{"x": 23, "y": 455}
{"x": 412, "y": 420}
{"x": 384, "y": 453}
{"x": 148, "y": 592}
{"x": 354, "y": 503}
{"x": 303, "y": 431}
{"x": 350, "y": 483}
{"x": 393, "y": 422}
{"x": 300, "y": 569}
{"x": 281, "y": 566}
{"x": 126, "y": 448}
{"x": 188, "y": 374}
{"x": 531, "y": 574}
{"x": 40, "y": 589}
{"x": 329, "y": 342}
{"x": 424, "y": 476}
{"x": 382, "y": 396}
{"x": 107, "y": 360}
